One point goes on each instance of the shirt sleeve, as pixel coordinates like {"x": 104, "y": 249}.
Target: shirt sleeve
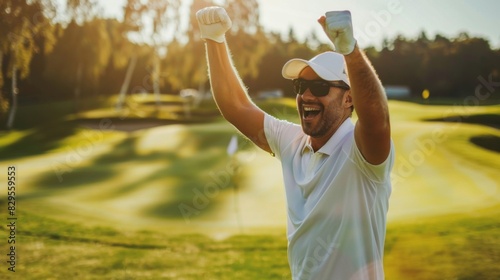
{"x": 279, "y": 134}
{"x": 378, "y": 173}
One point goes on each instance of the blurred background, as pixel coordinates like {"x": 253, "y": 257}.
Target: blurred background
{"x": 126, "y": 170}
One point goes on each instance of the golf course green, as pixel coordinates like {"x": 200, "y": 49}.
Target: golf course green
{"x": 107, "y": 195}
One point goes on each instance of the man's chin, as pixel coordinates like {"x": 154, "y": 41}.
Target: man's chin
{"x": 308, "y": 130}
{"x": 314, "y": 130}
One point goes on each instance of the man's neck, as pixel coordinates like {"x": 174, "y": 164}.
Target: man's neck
{"x": 318, "y": 142}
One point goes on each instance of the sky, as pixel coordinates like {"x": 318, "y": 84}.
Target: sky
{"x": 374, "y": 20}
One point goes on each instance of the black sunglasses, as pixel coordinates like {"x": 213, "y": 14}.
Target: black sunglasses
{"x": 317, "y": 87}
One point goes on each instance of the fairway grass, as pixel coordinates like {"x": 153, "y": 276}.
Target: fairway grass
{"x": 444, "y": 247}
{"x": 53, "y": 249}
{"x": 455, "y": 246}
{"x": 169, "y": 203}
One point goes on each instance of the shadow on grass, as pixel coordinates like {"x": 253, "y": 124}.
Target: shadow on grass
{"x": 490, "y": 142}
{"x": 38, "y": 227}
{"x": 163, "y": 103}
{"x": 189, "y": 173}
{"x": 38, "y": 140}
{"x": 93, "y": 241}
{"x": 133, "y": 124}
{"x": 443, "y": 101}
{"x": 491, "y": 120}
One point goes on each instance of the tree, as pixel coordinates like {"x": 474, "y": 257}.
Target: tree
{"x": 134, "y": 10}
{"x": 476, "y": 55}
{"x": 82, "y": 11}
{"x": 163, "y": 18}
{"x": 85, "y": 43}
{"x": 244, "y": 15}
{"x": 184, "y": 65}
{"x": 269, "y": 69}
{"x": 246, "y": 37}
{"x": 21, "y": 21}
{"x": 80, "y": 57}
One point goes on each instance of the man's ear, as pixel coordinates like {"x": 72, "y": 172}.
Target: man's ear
{"x": 348, "y": 99}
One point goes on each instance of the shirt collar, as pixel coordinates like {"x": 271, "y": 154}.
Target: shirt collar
{"x": 346, "y": 127}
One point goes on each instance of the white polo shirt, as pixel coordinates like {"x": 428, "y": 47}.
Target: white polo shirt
{"x": 336, "y": 203}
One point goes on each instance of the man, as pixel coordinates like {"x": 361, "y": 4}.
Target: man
{"x": 336, "y": 173}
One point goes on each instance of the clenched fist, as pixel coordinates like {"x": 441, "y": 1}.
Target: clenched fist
{"x": 338, "y": 27}
{"x": 213, "y": 22}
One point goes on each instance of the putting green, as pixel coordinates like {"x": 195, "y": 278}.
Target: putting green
{"x": 178, "y": 178}
{"x": 437, "y": 169}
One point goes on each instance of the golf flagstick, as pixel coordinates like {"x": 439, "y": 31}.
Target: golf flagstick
{"x": 232, "y": 148}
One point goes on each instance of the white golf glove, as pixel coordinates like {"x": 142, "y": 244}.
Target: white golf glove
{"x": 338, "y": 27}
{"x": 213, "y": 22}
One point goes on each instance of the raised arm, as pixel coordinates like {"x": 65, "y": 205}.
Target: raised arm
{"x": 373, "y": 131}
{"x": 228, "y": 90}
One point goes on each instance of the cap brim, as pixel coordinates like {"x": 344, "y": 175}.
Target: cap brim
{"x": 291, "y": 70}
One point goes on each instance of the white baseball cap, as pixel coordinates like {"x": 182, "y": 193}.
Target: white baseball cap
{"x": 330, "y": 66}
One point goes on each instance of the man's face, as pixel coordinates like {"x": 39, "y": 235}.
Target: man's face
{"x": 321, "y": 116}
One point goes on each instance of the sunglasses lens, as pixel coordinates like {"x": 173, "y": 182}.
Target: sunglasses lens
{"x": 319, "y": 89}
{"x": 299, "y": 87}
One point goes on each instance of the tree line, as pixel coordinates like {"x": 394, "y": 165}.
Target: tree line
{"x": 45, "y": 58}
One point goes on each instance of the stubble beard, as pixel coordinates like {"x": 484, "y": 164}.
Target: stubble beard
{"x": 321, "y": 129}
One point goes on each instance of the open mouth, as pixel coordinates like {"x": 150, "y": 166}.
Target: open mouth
{"x": 309, "y": 112}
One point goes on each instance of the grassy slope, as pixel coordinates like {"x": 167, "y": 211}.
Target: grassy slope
{"x": 437, "y": 169}
{"x": 447, "y": 247}
{"x": 443, "y": 216}
{"x": 454, "y": 246}
{"x": 51, "y": 249}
